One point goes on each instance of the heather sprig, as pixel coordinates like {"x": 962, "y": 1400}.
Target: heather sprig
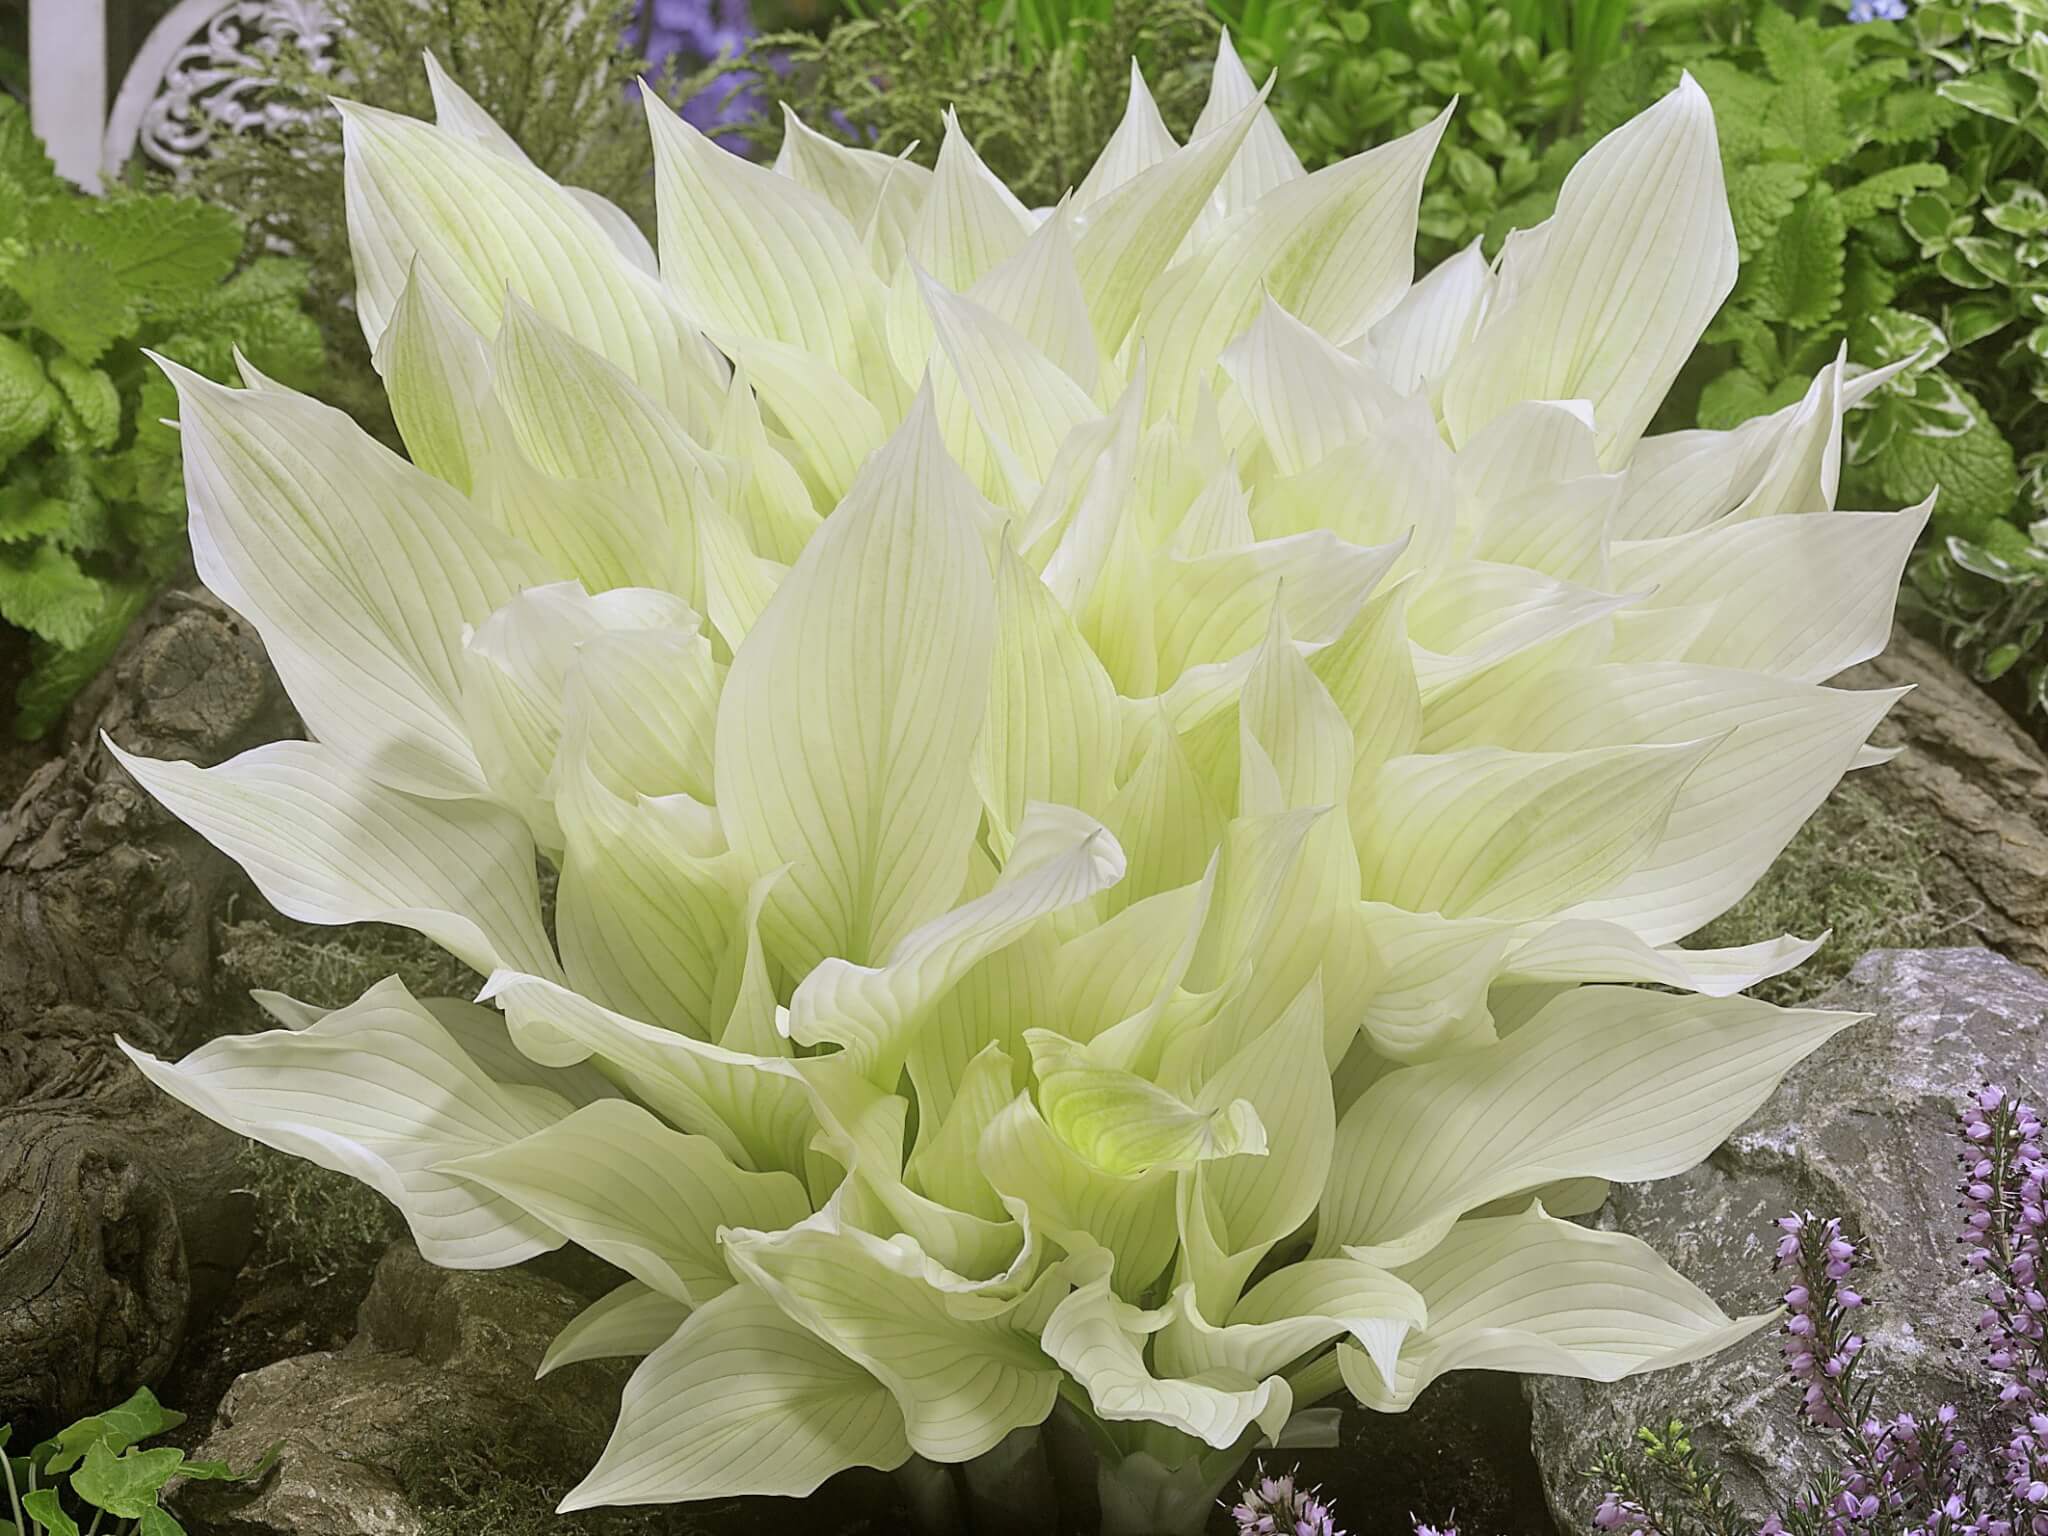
{"x": 1279, "y": 1506}
{"x": 1905, "y": 1474}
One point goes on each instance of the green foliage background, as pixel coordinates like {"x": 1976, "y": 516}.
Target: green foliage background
{"x": 92, "y": 500}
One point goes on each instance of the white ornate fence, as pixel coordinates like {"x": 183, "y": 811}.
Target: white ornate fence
{"x": 197, "y": 73}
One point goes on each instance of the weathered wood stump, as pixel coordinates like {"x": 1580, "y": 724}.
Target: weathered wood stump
{"x": 117, "y": 1206}
{"x": 1978, "y": 787}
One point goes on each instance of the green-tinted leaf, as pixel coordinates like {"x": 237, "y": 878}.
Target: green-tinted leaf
{"x": 1732, "y": 398}
{"x": 140, "y": 1417}
{"x": 1998, "y": 94}
{"x": 94, "y": 401}
{"x": 1797, "y": 278}
{"x": 46, "y": 1513}
{"x": 1759, "y": 197}
{"x": 74, "y": 296}
{"x": 58, "y": 673}
{"x": 27, "y": 402}
{"x": 45, "y": 591}
{"x": 127, "y": 1484}
{"x": 1886, "y": 188}
{"x": 168, "y": 251}
{"x": 1973, "y": 319}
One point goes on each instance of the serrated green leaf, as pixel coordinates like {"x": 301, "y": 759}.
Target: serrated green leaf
{"x": 169, "y": 252}
{"x": 28, "y": 512}
{"x": 44, "y": 591}
{"x": 1973, "y": 467}
{"x": 127, "y": 1484}
{"x": 74, "y": 297}
{"x": 1759, "y": 197}
{"x": 1731, "y": 398}
{"x": 1887, "y": 188}
{"x": 56, "y": 675}
{"x": 93, "y": 399}
{"x": 22, "y": 156}
{"x": 1789, "y": 47}
{"x": 1808, "y": 111}
{"x": 1797, "y": 278}
{"x": 1914, "y": 116}
{"x": 43, "y": 1508}
{"x": 28, "y": 403}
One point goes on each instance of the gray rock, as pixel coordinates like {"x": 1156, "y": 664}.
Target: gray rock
{"x": 442, "y": 1361}
{"x": 1864, "y": 1130}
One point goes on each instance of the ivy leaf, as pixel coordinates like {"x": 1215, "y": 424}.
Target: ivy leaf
{"x": 42, "y": 1508}
{"x": 157, "y": 1521}
{"x": 140, "y": 1417}
{"x": 1759, "y": 197}
{"x": 74, "y": 296}
{"x": 1797, "y": 278}
{"x": 1888, "y": 188}
{"x": 221, "y": 1472}
{"x": 127, "y": 1484}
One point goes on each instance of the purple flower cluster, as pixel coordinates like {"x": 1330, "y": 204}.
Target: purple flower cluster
{"x": 1940, "y": 1474}
{"x": 1275, "y": 1506}
{"x": 696, "y": 33}
{"x": 2003, "y": 1196}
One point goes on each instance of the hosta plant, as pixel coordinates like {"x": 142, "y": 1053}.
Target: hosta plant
{"x": 1118, "y": 775}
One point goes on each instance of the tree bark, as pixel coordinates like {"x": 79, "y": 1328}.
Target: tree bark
{"x": 117, "y": 1206}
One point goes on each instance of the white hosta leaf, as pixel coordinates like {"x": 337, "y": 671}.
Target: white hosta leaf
{"x": 1414, "y": 343}
{"x": 1130, "y": 235}
{"x": 833, "y": 425}
{"x": 684, "y": 1432}
{"x": 380, "y": 1091}
{"x": 1052, "y": 729}
{"x": 1491, "y": 833}
{"x": 433, "y": 365}
{"x": 1336, "y": 249}
{"x": 943, "y": 1166}
{"x": 1431, "y": 975}
{"x": 360, "y": 598}
{"x": 1061, "y": 857}
{"x": 1037, "y": 291}
{"x": 1606, "y": 304}
{"x": 482, "y": 225}
{"x": 1127, "y": 1126}
{"x": 1781, "y": 747}
{"x": 775, "y": 504}
{"x": 970, "y": 222}
{"x": 1583, "y": 950}
{"x": 854, "y": 181}
{"x": 1605, "y": 1082}
{"x": 1308, "y": 398}
{"x": 325, "y": 844}
{"x": 964, "y": 1371}
{"x": 1075, "y": 1203}
{"x": 1021, "y": 398}
{"x": 1494, "y": 1289}
{"x": 638, "y": 709}
{"x": 1797, "y": 596}
{"x": 846, "y": 729}
{"x": 1141, "y": 141}
{"x": 632, "y": 1320}
{"x": 649, "y": 1199}
{"x": 749, "y": 251}
{"x": 1100, "y": 1339}
{"x": 754, "y": 1108}
{"x": 1291, "y": 1312}
{"x": 1265, "y": 160}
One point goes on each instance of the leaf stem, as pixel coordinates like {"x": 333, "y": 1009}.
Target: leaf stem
{"x": 13, "y": 1493}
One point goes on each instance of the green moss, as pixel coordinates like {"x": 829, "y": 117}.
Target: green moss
{"x": 511, "y": 1488}
{"x": 1858, "y": 868}
{"x": 332, "y": 967}
{"x": 311, "y": 1221}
